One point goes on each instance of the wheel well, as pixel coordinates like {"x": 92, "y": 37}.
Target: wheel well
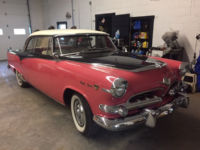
{"x": 14, "y": 70}
{"x": 68, "y": 95}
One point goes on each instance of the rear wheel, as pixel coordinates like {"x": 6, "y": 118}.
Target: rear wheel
{"x": 20, "y": 80}
{"x": 82, "y": 115}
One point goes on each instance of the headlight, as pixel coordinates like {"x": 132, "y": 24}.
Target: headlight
{"x": 119, "y": 87}
{"x": 184, "y": 67}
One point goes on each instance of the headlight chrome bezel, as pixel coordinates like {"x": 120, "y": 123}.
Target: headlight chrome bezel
{"x": 118, "y": 85}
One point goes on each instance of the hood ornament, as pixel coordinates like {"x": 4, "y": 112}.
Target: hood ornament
{"x": 157, "y": 63}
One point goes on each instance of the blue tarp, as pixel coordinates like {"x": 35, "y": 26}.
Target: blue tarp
{"x": 197, "y": 70}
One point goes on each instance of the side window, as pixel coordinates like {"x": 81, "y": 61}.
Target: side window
{"x": 44, "y": 46}
{"x": 31, "y": 46}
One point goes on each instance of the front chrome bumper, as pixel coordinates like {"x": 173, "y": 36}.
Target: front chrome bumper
{"x": 147, "y": 116}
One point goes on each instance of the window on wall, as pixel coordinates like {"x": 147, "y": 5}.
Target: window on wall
{"x": 19, "y": 31}
{"x": 1, "y": 31}
{"x": 62, "y": 25}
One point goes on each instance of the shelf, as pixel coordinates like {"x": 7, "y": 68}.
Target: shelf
{"x": 140, "y": 30}
{"x": 147, "y": 23}
{"x": 140, "y": 40}
{"x": 140, "y": 48}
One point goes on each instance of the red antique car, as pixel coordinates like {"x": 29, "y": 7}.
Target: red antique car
{"x": 104, "y": 87}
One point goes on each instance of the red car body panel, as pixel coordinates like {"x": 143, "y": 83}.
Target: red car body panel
{"x": 53, "y": 77}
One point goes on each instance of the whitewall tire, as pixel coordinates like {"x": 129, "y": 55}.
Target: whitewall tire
{"x": 78, "y": 113}
{"x": 82, "y": 115}
{"x": 20, "y": 80}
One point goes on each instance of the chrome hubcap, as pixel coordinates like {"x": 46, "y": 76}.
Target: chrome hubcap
{"x": 79, "y": 113}
{"x": 19, "y": 78}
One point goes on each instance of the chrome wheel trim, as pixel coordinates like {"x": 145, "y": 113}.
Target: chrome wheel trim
{"x": 19, "y": 78}
{"x": 78, "y": 113}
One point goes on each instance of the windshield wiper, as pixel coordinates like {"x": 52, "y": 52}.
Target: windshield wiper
{"x": 70, "y": 54}
{"x": 98, "y": 50}
{"x": 89, "y": 51}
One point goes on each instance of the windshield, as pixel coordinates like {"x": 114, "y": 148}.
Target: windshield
{"x": 80, "y": 44}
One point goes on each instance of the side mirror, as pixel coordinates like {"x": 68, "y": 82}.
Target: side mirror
{"x": 55, "y": 55}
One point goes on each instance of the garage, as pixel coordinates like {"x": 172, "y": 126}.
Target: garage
{"x": 97, "y": 75}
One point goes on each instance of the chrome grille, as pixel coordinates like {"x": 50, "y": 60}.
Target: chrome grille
{"x": 147, "y": 95}
{"x": 145, "y": 99}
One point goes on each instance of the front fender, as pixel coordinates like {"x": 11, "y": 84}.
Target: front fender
{"x": 174, "y": 64}
{"x": 78, "y": 90}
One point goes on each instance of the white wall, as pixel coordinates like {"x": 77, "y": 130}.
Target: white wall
{"x": 83, "y": 14}
{"x": 170, "y": 15}
{"x": 37, "y": 14}
{"x": 55, "y": 10}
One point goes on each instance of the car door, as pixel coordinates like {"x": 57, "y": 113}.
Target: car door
{"x": 40, "y": 67}
{"x": 27, "y": 61}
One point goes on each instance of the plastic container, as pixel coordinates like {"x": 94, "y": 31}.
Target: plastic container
{"x": 117, "y": 34}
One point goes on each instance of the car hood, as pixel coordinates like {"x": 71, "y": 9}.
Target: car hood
{"x": 124, "y": 61}
{"x": 142, "y": 73}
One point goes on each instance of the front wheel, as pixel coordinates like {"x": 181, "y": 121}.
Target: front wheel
{"x": 20, "y": 80}
{"x": 82, "y": 115}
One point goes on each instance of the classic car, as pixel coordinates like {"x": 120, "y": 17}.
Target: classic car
{"x": 103, "y": 86}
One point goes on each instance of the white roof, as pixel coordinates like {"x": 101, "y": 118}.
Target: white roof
{"x": 66, "y": 32}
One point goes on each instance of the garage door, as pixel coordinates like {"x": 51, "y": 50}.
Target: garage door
{"x": 14, "y": 25}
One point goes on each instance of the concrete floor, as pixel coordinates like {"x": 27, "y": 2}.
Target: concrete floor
{"x": 29, "y": 120}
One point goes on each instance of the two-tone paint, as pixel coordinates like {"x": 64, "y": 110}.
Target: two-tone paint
{"x": 55, "y": 76}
